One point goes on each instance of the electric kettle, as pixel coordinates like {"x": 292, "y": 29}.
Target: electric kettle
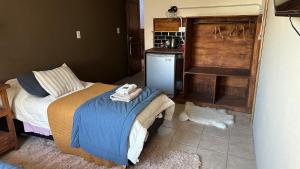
{"x": 173, "y": 43}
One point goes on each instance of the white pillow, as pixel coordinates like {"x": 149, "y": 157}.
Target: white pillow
{"x": 58, "y": 81}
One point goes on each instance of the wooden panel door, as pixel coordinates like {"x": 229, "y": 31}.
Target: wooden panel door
{"x": 133, "y": 37}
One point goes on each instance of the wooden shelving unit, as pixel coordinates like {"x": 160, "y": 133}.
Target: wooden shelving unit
{"x": 220, "y": 61}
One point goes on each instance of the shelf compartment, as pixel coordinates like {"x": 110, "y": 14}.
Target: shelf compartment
{"x": 200, "y": 97}
{"x": 232, "y": 92}
{"x": 219, "y": 71}
{"x": 231, "y": 101}
{"x": 232, "y": 86}
{"x": 200, "y": 87}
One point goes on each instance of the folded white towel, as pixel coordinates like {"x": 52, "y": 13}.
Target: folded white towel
{"x": 126, "y": 89}
{"x": 126, "y": 98}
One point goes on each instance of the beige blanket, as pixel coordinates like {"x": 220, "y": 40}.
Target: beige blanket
{"x": 60, "y": 116}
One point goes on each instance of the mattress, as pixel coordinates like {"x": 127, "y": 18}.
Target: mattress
{"x": 33, "y": 110}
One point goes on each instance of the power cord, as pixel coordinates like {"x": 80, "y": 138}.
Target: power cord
{"x": 294, "y": 26}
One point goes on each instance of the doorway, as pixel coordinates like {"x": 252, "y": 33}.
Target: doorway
{"x": 135, "y": 35}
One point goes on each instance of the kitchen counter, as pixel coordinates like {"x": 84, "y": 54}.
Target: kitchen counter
{"x": 165, "y": 50}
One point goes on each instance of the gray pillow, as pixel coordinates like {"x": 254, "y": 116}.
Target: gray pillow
{"x": 31, "y": 85}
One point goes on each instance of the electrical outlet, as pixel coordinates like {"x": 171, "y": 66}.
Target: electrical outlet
{"x": 182, "y": 29}
{"x": 78, "y": 35}
{"x": 118, "y": 30}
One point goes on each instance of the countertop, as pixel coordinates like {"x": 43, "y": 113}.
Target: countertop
{"x": 164, "y": 50}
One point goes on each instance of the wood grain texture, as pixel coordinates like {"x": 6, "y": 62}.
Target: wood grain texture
{"x": 254, "y": 65}
{"x": 8, "y": 140}
{"x": 219, "y": 71}
{"x": 219, "y": 45}
{"x": 226, "y": 48}
{"x": 233, "y": 81}
{"x": 167, "y": 24}
{"x": 200, "y": 87}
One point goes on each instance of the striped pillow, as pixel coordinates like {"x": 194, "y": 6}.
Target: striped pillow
{"x": 59, "y": 81}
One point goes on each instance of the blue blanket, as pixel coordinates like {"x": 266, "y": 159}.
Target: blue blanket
{"x": 4, "y": 165}
{"x": 102, "y": 126}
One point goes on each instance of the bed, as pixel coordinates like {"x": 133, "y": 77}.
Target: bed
{"x": 54, "y": 117}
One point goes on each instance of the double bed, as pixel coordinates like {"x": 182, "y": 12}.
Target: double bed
{"x": 51, "y": 116}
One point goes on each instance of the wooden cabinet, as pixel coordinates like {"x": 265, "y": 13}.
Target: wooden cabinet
{"x": 8, "y": 139}
{"x": 220, "y": 61}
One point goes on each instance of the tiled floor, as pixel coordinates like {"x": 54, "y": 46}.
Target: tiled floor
{"x": 218, "y": 149}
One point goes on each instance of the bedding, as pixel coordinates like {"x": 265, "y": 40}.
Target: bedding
{"x": 28, "y": 108}
{"x": 4, "y": 165}
{"x": 33, "y": 110}
{"x": 29, "y": 128}
{"x": 58, "y": 81}
{"x": 61, "y": 113}
{"x": 101, "y": 126}
{"x": 31, "y": 85}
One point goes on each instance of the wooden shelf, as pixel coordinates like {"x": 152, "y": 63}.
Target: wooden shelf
{"x": 232, "y": 101}
{"x": 219, "y": 71}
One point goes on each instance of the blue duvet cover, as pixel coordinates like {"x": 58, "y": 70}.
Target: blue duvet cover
{"x": 102, "y": 126}
{"x": 4, "y": 165}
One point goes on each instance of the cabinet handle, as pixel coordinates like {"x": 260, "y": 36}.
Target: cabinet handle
{"x": 130, "y": 46}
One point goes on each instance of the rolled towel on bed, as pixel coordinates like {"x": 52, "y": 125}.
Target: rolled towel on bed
{"x": 126, "y": 89}
{"x": 126, "y": 98}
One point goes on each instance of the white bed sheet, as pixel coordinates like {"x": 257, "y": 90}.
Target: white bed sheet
{"x": 33, "y": 110}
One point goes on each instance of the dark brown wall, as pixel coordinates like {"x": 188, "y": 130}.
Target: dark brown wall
{"x": 36, "y": 34}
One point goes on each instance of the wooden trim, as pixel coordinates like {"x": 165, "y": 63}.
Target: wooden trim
{"x": 167, "y": 24}
{"x": 262, "y": 35}
{"x": 221, "y": 16}
{"x": 254, "y": 65}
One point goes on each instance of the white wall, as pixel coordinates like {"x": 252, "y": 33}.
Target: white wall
{"x": 277, "y": 111}
{"x": 158, "y": 9}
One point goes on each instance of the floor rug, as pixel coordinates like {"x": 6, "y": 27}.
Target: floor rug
{"x": 206, "y": 116}
{"x": 38, "y": 153}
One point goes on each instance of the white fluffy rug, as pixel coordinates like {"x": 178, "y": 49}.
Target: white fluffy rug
{"x": 206, "y": 116}
{"x": 38, "y": 153}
